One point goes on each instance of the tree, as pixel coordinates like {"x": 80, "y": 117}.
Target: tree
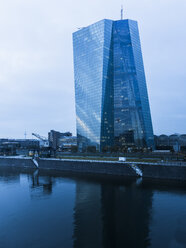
{"x": 74, "y": 148}
{"x": 91, "y": 149}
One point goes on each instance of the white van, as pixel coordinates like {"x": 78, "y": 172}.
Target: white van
{"x": 122, "y": 159}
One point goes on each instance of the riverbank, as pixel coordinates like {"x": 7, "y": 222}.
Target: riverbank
{"x": 163, "y": 171}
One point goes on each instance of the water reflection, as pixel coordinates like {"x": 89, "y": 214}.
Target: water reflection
{"x": 40, "y": 209}
{"x": 88, "y": 223}
{"x": 9, "y": 176}
{"x": 40, "y": 185}
{"x": 112, "y": 215}
{"x": 126, "y": 214}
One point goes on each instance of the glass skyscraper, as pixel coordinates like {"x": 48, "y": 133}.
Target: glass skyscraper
{"x": 112, "y": 106}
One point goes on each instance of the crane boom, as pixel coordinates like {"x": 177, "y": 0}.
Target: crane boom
{"x": 39, "y": 137}
{"x": 44, "y": 141}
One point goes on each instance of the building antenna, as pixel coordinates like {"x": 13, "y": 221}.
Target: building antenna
{"x": 121, "y": 12}
{"x": 25, "y": 134}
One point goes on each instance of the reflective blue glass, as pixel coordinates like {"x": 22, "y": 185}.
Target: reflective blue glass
{"x": 132, "y": 119}
{"x": 112, "y": 106}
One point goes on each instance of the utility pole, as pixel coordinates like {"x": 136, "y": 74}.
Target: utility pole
{"x": 25, "y": 134}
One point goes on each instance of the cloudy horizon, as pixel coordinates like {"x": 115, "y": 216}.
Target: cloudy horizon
{"x": 36, "y": 61}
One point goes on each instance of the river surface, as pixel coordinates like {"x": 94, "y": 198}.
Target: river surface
{"x": 42, "y": 210}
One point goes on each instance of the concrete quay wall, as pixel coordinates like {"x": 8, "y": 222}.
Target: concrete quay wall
{"x": 90, "y": 166}
{"x": 164, "y": 172}
{"x": 16, "y": 162}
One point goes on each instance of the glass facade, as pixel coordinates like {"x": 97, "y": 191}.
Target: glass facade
{"x": 112, "y": 106}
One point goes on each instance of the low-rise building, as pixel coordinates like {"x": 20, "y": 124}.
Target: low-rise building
{"x": 175, "y": 142}
{"x": 18, "y": 146}
{"x": 54, "y": 138}
{"x": 66, "y": 143}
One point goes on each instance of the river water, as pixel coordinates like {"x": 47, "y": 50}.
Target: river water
{"x": 41, "y": 210}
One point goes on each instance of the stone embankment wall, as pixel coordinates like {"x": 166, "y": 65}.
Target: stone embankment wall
{"x": 16, "y": 162}
{"x": 165, "y": 172}
{"x": 96, "y": 167}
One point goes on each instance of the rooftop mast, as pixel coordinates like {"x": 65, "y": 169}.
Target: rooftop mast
{"x": 121, "y": 12}
{"x": 25, "y": 134}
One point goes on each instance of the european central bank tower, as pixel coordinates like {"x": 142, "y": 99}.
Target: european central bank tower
{"x": 112, "y": 106}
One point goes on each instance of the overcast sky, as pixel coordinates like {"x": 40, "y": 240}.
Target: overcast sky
{"x": 36, "y": 61}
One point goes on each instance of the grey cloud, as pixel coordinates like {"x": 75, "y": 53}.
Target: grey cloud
{"x": 36, "y": 60}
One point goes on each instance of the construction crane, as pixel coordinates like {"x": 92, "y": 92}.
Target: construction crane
{"x": 43, "y": 141}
